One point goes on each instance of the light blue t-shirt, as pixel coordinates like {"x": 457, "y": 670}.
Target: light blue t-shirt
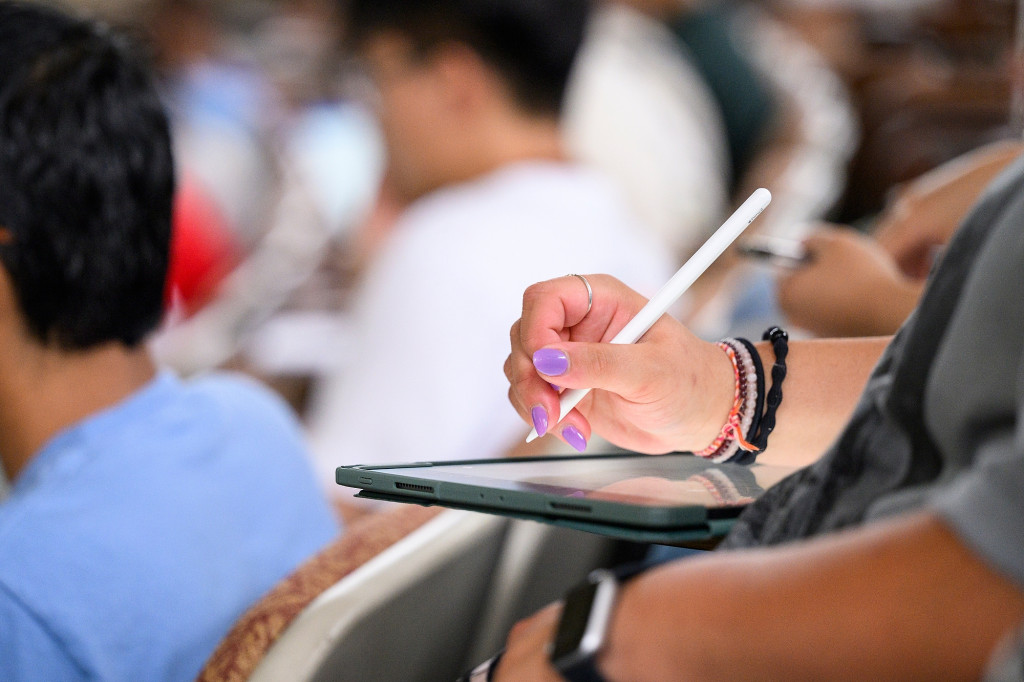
{"x": 133, "y": 540}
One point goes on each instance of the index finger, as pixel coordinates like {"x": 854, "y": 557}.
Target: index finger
{"x": 552, "y": 308}
{"x": 556, "y": 311}
{"x": 560, "y": 310}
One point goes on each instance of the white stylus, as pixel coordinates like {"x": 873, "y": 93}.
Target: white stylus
{"x": 693, "y": 268}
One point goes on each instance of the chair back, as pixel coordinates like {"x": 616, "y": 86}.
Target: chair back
{"x": 539, "y": 563}
{"x": 397, "y": 597}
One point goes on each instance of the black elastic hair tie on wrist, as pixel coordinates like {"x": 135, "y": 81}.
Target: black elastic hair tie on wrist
{"x": 780, "y": 345}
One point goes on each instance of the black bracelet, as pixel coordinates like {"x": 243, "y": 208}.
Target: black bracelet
{"x": 780, "y": 344}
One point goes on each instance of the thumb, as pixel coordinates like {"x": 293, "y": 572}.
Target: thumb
{"x": 628, "y": 370}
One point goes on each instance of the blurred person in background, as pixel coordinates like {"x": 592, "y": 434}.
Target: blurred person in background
{"x": 146, "y": 514}
{"x": 857, "y": 284}
{"x": 926, "y": 81}
{"x": 931, "y": 80}
{"x": 280, "y": 313}
{"x": 221, "y": 107}
{"x": 638, "y": 109}
{"x": 935, "y": 89}
{"x": 785, "y": 122}
{"x": 326, "y": 141}
{"x": 469, "y": 96}
{"x": 745, "y": 98}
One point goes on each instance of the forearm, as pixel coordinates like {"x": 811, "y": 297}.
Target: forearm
{"x": 898, "y": 600}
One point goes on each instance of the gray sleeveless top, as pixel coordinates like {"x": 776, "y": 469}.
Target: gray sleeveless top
{"x": 939, "y": 425}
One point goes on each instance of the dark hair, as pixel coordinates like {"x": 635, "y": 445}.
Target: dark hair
{"x": 532, "y": 44}
{"x": 86, "y": 180}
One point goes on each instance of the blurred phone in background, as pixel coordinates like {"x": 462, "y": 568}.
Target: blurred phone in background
{"x": 786, "y": 253}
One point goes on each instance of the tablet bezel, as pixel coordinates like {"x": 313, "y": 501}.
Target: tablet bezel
{"x": 393, "y": 482}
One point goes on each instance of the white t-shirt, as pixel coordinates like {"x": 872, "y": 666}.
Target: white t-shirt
{"x": 432, "y": 320}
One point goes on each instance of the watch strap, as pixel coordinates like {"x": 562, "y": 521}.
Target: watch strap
{"x": 584, "y": 671}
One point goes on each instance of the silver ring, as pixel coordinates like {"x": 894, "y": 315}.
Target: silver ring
{"x": 590, "y": 292}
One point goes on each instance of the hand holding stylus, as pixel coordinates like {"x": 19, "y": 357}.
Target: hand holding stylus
{"x": 558, "y": 341}
{"x": 556, "y": 312}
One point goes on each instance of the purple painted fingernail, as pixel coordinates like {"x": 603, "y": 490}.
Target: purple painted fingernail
{"x": 540, "y": 420}
{"x": 556, "y": 387}
{"x": 574, "y": 438}
{"x": 551, "y": 361}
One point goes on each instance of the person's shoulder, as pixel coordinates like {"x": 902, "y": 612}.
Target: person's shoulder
{"x": 237, "y": 394}
{"x": 502, "y": 193}
{"x": 590, "y": 201}
{"x": 498, "y": 218}
{"x": 437, "y": 228}
{"x": 453, "y": 207}
{"x": 224, "y": 381}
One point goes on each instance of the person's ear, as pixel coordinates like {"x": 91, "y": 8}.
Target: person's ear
{"x": 465, "y": 78}
{"x": 6, "y": 287}
{"x": 12, "y": 316}
{"x": 7, "y": 299}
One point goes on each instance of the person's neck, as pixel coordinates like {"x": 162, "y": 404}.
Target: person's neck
{"x": 45, "y": 390}
{"x": 514, "y": 139}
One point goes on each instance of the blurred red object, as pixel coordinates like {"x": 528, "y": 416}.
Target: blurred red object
{"x": 203, "y": 249}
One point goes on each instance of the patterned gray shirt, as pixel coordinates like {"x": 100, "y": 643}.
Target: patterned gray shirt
{"x": 940, "y": 425}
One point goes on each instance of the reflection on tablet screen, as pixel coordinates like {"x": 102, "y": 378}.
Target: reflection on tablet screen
{"x": 658, "y": 480}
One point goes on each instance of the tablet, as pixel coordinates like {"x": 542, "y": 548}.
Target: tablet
{"x": 646, "y": 498}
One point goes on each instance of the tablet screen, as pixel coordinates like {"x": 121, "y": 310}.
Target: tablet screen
{"x": 653, "y": 480}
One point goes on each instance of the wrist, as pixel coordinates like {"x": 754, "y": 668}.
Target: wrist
{"x": 581, "y": 636}
{"x": 714, "y": 394}
{"x": 633, "y": 651}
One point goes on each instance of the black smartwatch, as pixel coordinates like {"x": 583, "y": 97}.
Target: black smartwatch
{"x": 581, "y": 631}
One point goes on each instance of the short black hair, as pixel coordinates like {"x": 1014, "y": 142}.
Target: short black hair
{"x": 86, "y": 180}
{"x": 532, "y": 44}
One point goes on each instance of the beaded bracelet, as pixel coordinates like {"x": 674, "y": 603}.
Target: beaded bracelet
{"x": 722, "y": 488}
{"x": 745, "y": 432}
{"x": 730, "y": 438}
{"x": 752, "y": 377}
